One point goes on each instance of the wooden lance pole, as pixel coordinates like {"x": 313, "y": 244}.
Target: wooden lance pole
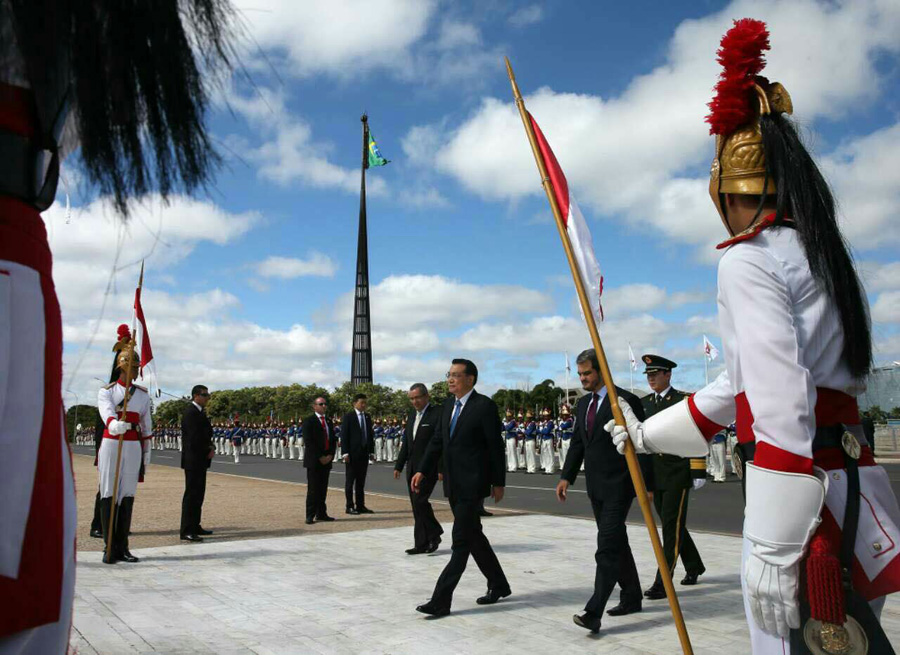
{"x": 115, "y": 496}
{"x": 630, "y": 457}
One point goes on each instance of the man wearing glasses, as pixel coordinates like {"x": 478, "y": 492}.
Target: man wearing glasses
{"x": 468, "y": 437}
{"x": 196, "y": 457}
{"x": 318, "y": 434}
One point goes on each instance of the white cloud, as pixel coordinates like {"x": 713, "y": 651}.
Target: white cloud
{"x": 425, "y": 198}
{"x": 636, "y": 298}
{"x": 880, "y": 277}
{"x": 527, "y": 15}
{"x": 296, "y": 341}
{"x": 316, "y": 264}
{"x": 887, "y": 307}
{"x": 634, "y": 153}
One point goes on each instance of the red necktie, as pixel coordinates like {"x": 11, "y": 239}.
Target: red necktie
{"x": 325, "y": 429}
{"x": 591, "y": 415}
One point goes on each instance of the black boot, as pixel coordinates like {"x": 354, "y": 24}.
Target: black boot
{"x": 123, "y": 528}
{"x": 108, "y": 552}
{"x": 97, "y": 523}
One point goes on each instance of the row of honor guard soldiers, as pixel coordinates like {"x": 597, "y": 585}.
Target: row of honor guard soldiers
{"x": 533, "y": 445}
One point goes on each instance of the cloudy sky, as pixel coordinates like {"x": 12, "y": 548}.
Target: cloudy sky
{"x": 252, "y": 283}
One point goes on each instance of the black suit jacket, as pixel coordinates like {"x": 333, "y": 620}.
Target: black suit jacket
{"x": 474, "y": 458}
{"x": 352, "y": 437}
{"x": 314, "y": 440}
{"x": 604, "y": 468}
{"x": 196, "y": 439}
{"x": 413, "y": 447}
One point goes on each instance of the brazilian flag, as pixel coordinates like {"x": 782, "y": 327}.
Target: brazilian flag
{"x": 375, "y": 158}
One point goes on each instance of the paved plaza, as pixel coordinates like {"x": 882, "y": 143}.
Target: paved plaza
{"x": 356, "y": 592}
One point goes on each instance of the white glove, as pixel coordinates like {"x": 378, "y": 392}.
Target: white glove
{"x": 117, "y": 428}
{"x": 633, "y": 429}
{"x": 698, "y": 483}
{"x": 778, "y": 533}
{"x": 147, "y": 458}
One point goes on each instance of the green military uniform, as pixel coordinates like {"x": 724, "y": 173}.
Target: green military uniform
{"x": 673, "y": 479}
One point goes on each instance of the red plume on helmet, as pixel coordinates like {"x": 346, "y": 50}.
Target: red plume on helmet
{"x": 741, "y": 56}
{"x": 123, "y": 332}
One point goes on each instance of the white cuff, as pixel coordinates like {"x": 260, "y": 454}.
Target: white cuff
{"x": 673, "y": 431}
{"x": 783, "y": 510}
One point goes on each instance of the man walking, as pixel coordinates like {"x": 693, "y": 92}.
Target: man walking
{"x": 420, "y": 426}
{"x": 468, "y": 436}
{"x": 357, "y": 448}
{"x": 318, "y": 431}
{"x": 673, "y": 479}
{"x": 196, "y": 458}
{"x": 610, "y": 491}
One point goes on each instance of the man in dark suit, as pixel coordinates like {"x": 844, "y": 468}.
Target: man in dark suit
{"x": 357, "y": 448}
{"x": 420, "y": 425}
{"x": 196, "y": 456}
{"x": 319, "y": 440}
{"x": 610, "y": 491}
{"x": 468, "y": 436}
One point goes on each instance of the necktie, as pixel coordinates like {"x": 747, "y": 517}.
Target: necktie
{"x": 592, "y": 414}
{"x": 325, "y": 430}
{"x": 455, "y": 416}
{"x": 362, "y": 426}
{"x": 416, "y": 424}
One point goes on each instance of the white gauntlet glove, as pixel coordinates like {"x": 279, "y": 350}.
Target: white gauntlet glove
{"x": 778, "y": 531}
{"x": 117, "y": 428}
{"x": 671, "y": 431}
{"x": 147, "y": 458}
{"x": 698, "y": 483}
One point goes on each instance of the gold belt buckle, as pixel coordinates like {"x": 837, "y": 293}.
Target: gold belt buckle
{"x": 829, "y": 639}
{"x": 851, "y": 446}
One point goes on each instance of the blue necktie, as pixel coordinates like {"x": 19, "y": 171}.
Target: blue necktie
{"x": 455, "y": 416}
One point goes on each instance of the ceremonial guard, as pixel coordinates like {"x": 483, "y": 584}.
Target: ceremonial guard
{"x": 547, "y": 437}
{"x": 673, "y": 479}
{"x": 389, "y": 440}
{"x": 133, "y": 425}
{"x": 817, "y": 561}
{"x": 379, "y": 440}
{"x": 717, "y": 456}
{"x": 520, "y": 438}
{"x": 237, "y": 440}
{"x": 284, "y": 440}
{"x": 300, "y": 445}
{"x": 293, "y": 440}
{"x": 531, "y": 443}
{"x": 510, "y": 433}
{"x": 565, "y": 429}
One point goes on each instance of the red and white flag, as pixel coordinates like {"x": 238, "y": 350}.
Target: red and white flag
{"x": 631, "y": 357}
{"x": 576, "y": 228}
{"x": 709, "y": 350}
{"x": 142, "y": 343}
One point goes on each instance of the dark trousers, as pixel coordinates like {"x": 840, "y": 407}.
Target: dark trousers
{"x": 316, "y": 490}
{"x": 96, "y": 524}
{"x": 672, "y": 506}
{"x": 468, "y": 538}
{"x": 426, "y": 529}
{"x": 192, "y": 502}
{"x": 615, "y": 562}
{"x": 356, "y": 477}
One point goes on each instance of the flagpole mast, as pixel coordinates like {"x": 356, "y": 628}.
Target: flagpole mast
{"x": 115, "y": 497}
{"x": 567, "y": 377}
{"x": 630, "y": 457}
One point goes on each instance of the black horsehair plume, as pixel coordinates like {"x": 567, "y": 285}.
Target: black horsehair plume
{"x": 136, "y": 71}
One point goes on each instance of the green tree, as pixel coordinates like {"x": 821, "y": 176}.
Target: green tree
{"x": 876, "y": 414}
{"x": 169, "y": 412}
{"x": 439, "y": 392}
{"x": 85, "y": 415}
{"x": 895, "y": 413}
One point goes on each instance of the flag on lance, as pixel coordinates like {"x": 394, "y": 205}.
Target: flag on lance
{"x": 709, "y": 350}
{"x": 142, "y": 343}
{"x": 631, "y": 357}
{"x": 576, "y": 227}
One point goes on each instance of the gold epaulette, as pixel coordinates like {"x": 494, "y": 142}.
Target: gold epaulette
{"x": 698, "y": 464}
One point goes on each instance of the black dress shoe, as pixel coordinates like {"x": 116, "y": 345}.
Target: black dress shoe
{"x": 127, "y": 557}
{"x": 624, "y": 608}
{"x": 203, "y": 532}
{"x": 365, "y": 510}
{"x": 656, "y": 592}
{"x": 97, "y": 534}
{"x": 484, "y": 512}
{"x": 493, "y": 595}
{"x": 415, "y": 551}
{"x": 587, "y": 621}
{"x": 310, "y": 521}
{"x": 690, "y": 579}
{"x": 325, "y": 518}
{"x": 350, "y": 510}
{"x": 433, "y": 546}
{"x": 191, "y": 537}
{"x": 432, "y": 609}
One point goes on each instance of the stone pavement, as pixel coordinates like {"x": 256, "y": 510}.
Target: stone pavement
{"x": 356, "y": 593}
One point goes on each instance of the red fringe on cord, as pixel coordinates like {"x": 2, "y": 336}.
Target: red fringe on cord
{"x": 740, "y": 54}
{"x": 823, "y": 583}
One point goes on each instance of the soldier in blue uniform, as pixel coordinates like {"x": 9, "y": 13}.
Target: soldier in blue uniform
{"x": 547, "y": 432}
{"x": 673, "y": 479}
{"x": 510, "y": 434}
{"x": 531, "y": 444}
{"x": 379, "y": 440}
{"x": 564, "y": 433}
{"x": 237, "y": 440}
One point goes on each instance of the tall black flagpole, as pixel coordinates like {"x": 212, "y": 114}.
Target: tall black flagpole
{"x": 361, "y": 359}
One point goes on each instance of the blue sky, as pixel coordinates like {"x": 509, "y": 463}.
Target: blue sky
{"x": 250, "y": 283}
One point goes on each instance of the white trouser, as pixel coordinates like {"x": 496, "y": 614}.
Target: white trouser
{"x": 293, "y": 446}
{"x": 531, "y": 463}
{"x": 179, "y": 444}
{"x": 379, "y": 449}
{"x": 237, "y": 453}
{"x": 389, "y": 450}
{"x": 717, "y": 461}
{"x": 284, "y": 448}
{"x": 128, "y": 468}
{"x": 548, "y": 458}
{"x": 512, "y": 455}
{"x": 300, "y": 449}
{"x": 563, "y": 451}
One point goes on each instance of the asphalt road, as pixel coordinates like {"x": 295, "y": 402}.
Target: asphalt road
{"x": 714, "y": 508}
